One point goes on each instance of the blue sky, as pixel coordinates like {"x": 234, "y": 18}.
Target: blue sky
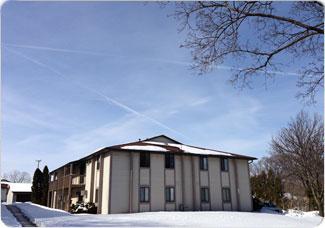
{"x": 81, "y": 76}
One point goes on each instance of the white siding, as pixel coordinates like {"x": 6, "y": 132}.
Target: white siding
{"x": 244, "y": 186}
{"x": 157, "y": 198}
{"x": 215, "y": 184}
{"x": 88, "y": 180}
{"x": 105, "y": 191}
{"x": 120, "y": 182}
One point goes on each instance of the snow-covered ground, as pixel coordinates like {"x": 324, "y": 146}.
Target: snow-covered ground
{"x": 44, "y": 216}
{"x": 7, "y": 219}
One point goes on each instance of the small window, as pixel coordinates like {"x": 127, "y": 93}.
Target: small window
{"x": 55, "y": 176}
{"x": 98, "y": 163}
{"x": 170, "y": 194}
{"x": 205, "y": 195}
{"x": 96, "y": 196}
{"x": 144, "y": 194}
{"x": 144, "y": 159}
{"x": 226, "y": 195}
{"x": 169, "y": 161}
{"x": 204, "y": 162}
{"x": 224, "y": 164}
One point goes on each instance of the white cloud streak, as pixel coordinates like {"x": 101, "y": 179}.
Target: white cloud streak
{"x": 100, "y": 94}
{"x": 177, "y": 62}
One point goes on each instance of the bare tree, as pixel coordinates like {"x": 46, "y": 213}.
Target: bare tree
{"x": 299, "y": 149}
{"x": 258, "y": 34}
{"x": 17, "y": 176}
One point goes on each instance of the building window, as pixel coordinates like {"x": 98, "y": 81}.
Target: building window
{"x": 205, "y": 195}
{"x": 98, "y": 163}
{"x": 226, "y": 195}
{"x": 144, "y": 194}
{"x": 96, "y": 196}
{"x": 169, "y": 161}
{"x": 224, "y": 164}
{"x": 170, "y": 194}
{"x": 204, "y": 162}
{"x": 144, "y": 159}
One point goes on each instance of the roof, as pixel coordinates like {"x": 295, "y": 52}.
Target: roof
{"x": 170, "y": 146}
{"x": 19, "y": 187}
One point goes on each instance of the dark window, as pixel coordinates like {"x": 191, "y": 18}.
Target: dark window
{"x": 169, "y": 161}
{"x": 226, "y": 195}
{"x": 82, "y": 169}
{"x": 204, "y": 162}
{"x": 224, "y": 164}
{"x": 98, "y": 163}
{"x": 144, "y": 159}
{"x": 96, "y": 196}
{"x": 204, "y": 195}
{"x": 170, "y": 194}
{"x": 144, "y": 194}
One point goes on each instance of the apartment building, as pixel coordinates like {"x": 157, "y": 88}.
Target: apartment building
{"x": 156, "y": 174}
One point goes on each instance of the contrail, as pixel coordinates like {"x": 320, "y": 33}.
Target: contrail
{"x": 108, "y": 99}
{"x": 90, "y": 53}
{"x": 177, "y": 62}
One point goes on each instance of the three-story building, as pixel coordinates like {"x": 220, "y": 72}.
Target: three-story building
{"x": 155, "y": 174}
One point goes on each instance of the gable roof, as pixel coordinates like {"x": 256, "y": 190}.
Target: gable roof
{"x": 153, "y": 144}
{"x": 156, "y": 138}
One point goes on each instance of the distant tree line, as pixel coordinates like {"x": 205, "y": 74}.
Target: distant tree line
{"x": 293, "y": 173}
{"x": 40, "y": 186}
{"x": 17, "y": 176}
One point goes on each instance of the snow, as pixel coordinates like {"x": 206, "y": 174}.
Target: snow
{"x": 191, "y": 149}
{"x": 7, "y": 219}
{"x": 44, "y": 216}
{"x": 19, "y": 187}
{"x": 144, "y": 147}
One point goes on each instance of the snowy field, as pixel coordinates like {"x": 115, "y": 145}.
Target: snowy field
{"x": 7, "y": 218}
{"x": 44, "y": 216}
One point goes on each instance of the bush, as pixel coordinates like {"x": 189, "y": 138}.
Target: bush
{"x": 81, "y": 207}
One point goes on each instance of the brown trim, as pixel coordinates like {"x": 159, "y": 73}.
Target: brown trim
{"x": 175, "y": 187}
{"x": 138, "y": 154}
{"x": 165, "y": 185}
{"x": 193, "y": 184}
{"x": 92, "y": 177}
{"x": 131, "y": 183}
{"x": 69, "y": 186}
{"x": 183, "y": 182}
{"x": 237, "y": 185}
{"x": 200, "y": 184}
{"x": 149, "y": 181}
{"x": 110, "y": 185}
{"x": 229, "y": 185}
{"x": 223, "y": 208}
{"x": 209, "y": 184}
{"x": 100, "y": 187}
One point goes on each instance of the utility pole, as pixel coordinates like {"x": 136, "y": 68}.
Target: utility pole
{"x": 38, "y": 161}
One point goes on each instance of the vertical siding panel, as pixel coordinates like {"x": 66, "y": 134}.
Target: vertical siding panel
{"x": 157, "y": 199}
{"x": 178, "y": 181}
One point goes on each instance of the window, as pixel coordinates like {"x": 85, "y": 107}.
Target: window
{"x": 96, "y": 196}
{"x": 98, "y": 163}
{"x": 204, "y": 162}
{"x": 169, "y": 161}
{"x": 205, "y": 195}
{"x": 224, "y": 164}
{"x": 144, "y": 159}
{"x": 170, "y": 194}
{"x": 226, "y": 195}
{"x": 144, "y": 194}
